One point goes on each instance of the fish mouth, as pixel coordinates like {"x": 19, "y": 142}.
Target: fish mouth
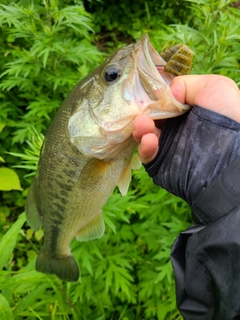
{"x": 145, "y": 79}
{"x": 150, "y": 60}
{"x": 148, "y": 81}
{"x": 152, "y": 91}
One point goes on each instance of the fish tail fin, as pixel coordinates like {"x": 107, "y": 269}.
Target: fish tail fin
{"x": 65, "y": 268}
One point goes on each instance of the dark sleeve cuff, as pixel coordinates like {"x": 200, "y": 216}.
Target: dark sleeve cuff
{"x": 172, "y": 125}
{"x": 194, "y": 149}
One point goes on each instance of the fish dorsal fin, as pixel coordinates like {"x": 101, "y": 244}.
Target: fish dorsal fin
{"x": 95, "y": 229}
{"x": 126, "y": 177}
{"x": 34, "y": 219}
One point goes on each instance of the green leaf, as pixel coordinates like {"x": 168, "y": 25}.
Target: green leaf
{"x": 2, "y": 125}
{"x": 165, "y": 271}
{"x": 8, "y": 241}
{"x": 23, "y": 279}
{"x": 110, "y": 223}
{"x": 9, "y": 180}
{"x": 5, "y": 310}
{"x": 30, "y": 298}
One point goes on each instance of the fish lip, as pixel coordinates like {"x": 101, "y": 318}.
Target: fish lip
{"x": 149, "y": 78}
{"x": 151, "y": 57}
{"x": 157, "y": 99}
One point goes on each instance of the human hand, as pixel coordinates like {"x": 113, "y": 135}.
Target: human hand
{"x": 213, "y": 92}
{"x": 195, "y": 147}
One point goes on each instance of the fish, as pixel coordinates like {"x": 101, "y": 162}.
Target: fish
{"x": 88, "y": 150}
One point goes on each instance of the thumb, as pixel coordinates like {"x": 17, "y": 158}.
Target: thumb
{"x": 213, "y": 92}
{"x": 186, "y": 88}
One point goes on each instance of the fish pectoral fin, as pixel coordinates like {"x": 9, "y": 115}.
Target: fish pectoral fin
{"x": 33, "y": 216}
{"x": 126, "y": 177}
{"x": 95, "y": 229}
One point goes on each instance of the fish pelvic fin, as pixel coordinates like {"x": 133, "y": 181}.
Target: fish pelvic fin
{"x": 95, "y": 229}
{"x": 33, "y": 216}
{"x": 126, "y": 177}
{"x": 65, "y": 268}
{"x": 135, "y": 162}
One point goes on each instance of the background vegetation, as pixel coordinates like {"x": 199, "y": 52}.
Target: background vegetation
{"x": 46, "y": 46}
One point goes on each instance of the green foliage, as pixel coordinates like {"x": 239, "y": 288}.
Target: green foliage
{"x": 5, "y": 311}
{"x": 126, "y": 19}
{"x": 46, "y": 47}
{"x": 125, "y": 275}
{"x": 9, "y": 180}
{"x": 31, "y": 156}
{"x": 212, "y": 33}
{"x": 9, "y": 240}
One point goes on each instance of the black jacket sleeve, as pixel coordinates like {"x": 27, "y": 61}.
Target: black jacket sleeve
{"x": 206, "y": 258}
{"x": 199, "y": 160}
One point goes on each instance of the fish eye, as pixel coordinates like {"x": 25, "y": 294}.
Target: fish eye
{"x": 112, "y": 73}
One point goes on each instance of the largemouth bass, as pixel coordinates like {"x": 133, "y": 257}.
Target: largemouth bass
{"x": 88, "y": 149}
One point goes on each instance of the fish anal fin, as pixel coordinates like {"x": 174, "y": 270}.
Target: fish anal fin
{"x": 95, "y": 229}
{"x": 65, "y": 268}
{"x": 33, "y": 216}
